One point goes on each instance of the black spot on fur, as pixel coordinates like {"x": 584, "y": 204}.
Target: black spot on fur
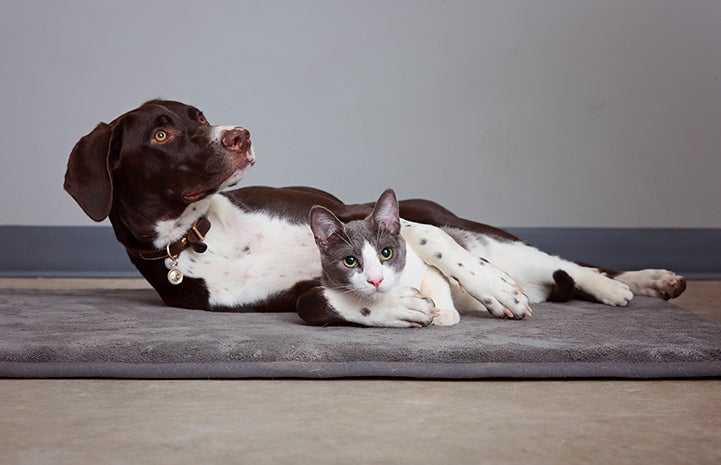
{"x": 314, "y": 308}
{"x": 365, "y": 311}
{"x": 460, "y": 265}
{"x": 438, "y": 255}
{"x": 423, "y": 242}
{"x": 564, "y": 288}
{"x": 246, "y": 249}
{"x": 473, "y": 273}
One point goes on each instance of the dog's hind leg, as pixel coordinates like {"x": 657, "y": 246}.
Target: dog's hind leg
{"x": 547, "y": 276}
{"x": 663, "y": 284}
{"x": 533, "y": 269}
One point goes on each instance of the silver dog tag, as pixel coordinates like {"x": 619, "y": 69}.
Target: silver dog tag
{"x": 175, "y": 276}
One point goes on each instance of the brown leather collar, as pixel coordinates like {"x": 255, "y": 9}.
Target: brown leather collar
{"x": 193, "y": 238}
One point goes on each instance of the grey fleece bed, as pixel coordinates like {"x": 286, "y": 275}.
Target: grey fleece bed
{"x": 130, "y": 334}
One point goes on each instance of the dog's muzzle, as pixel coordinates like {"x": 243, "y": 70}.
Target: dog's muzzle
{"x": 237, "y": 140}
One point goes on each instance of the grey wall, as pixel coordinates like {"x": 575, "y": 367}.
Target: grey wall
{"x": 519, "y": 113}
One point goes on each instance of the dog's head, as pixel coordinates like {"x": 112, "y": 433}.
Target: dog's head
{"x": 154, "y": 161}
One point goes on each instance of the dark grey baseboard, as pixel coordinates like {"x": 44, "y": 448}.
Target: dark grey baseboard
{"x": 79, "y": 251}
{"x": 63, "y": 251}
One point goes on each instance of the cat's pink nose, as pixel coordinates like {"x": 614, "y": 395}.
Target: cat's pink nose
{"x": 376, "y": 281}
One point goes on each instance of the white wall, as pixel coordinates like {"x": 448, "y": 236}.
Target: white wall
{"x": 517, "y": 113}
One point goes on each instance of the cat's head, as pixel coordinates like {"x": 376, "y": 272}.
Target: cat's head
{"x": 365, "y": 257}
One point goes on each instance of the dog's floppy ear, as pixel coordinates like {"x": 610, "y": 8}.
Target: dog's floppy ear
{"x": 88, "y": 178}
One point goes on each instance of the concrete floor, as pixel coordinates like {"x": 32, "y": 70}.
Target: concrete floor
{"x": 361, "y": 421}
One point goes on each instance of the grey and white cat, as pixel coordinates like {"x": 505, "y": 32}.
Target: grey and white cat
{"x": 367, "y": 260}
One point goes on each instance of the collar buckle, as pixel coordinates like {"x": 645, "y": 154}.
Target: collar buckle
{"x": 194, "y": 238}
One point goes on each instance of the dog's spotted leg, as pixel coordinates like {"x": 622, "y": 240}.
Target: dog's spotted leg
{"x": 495, "y": 289}
{"x": 400, "y": 307}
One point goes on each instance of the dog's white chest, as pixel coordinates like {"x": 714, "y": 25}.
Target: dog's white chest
{"x": 250, "y": 255}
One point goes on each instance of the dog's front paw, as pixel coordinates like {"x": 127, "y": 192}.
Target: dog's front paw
{"x": 496, "y": 290}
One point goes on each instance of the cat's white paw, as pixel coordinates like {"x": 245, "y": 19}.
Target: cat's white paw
{"x": 606, "y": 290}
{"x": 400, "y": 307}
{"x": 403, "y": 306}
{"x": 663, "y": 284}
{"x": 446, "y": 317}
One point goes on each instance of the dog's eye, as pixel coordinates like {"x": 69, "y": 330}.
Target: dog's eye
{"x": 202, "y": 120}
{"x": 160, "y": 135}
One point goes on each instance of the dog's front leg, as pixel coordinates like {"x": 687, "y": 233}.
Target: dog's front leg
{"x": 401, "y": 307}
{"x": 492, "y": 287}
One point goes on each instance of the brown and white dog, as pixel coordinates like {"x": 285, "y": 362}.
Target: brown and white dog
{"x": 168, "y": 181}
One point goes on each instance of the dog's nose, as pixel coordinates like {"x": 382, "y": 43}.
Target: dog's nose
{"x": 236, "y": 140}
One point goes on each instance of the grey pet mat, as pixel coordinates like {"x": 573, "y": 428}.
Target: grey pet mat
{"x": 129, "y": 334}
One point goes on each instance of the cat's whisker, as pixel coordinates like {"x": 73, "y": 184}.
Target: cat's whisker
{"x": 351, "y": 291}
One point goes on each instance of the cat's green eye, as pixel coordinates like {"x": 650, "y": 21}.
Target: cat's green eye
{"x": 386, "y": 253}
{"x": 350, "y": 261}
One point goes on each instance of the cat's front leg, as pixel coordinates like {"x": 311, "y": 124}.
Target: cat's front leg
{"x": 400, "y": 307}
{"x": 437, "y": 288}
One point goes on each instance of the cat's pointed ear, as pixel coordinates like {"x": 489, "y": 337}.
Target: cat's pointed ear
{"x": 327, "y": 228}
{"x": 386, "y": 214}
